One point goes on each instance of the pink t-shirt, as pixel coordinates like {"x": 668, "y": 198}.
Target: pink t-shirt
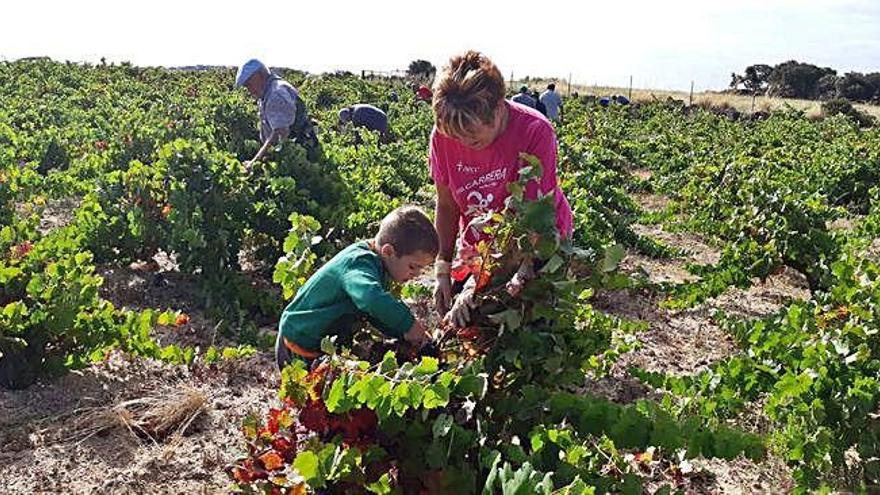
{"x": 478, "y": 178}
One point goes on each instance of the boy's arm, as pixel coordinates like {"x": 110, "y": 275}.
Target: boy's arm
{"x": 363, "y": 284}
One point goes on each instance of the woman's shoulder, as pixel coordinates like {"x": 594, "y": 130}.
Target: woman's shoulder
{"x": 526, "y": 120}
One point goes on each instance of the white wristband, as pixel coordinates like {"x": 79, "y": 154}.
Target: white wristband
{"x": 442, "y": 267}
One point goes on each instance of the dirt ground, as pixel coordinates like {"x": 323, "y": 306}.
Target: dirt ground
{"x": 41, "y": 452}
{"x": 687, "y": 341}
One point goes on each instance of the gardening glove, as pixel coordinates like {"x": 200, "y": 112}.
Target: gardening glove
{"x": 525, "y": 273}
{"x": 460, "y": 314}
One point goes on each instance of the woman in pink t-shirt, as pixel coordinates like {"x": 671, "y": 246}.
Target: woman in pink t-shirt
{"x": 475, "y": 148}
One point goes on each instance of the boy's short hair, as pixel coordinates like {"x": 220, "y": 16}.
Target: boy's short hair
{"x": 551, "y": 87}
{"x": 410, "y": 231}
{"x": 466, "y": 92}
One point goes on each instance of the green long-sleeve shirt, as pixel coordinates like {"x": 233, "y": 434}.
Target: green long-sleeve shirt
{"x": 354, "y": 283}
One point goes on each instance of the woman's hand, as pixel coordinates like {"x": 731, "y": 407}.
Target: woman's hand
{"x": 460, "y": 314}
{"x": 443, "y": 293}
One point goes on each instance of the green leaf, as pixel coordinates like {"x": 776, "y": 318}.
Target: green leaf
{"x": 368, "y": 389}
{"x": 510, "y": 318}
{"x": 435, "y": 455}
{"x": 492, "y": 477}
{"x": 473, "y": 385}
{"x": 306, "y": 464}
{"x": 328, "y": 345}
{"x": 552, "y": 264}
{"x": 389, "y": 363}
{"x": 211, "y": 355}
{"x": 336, "y": 398}
{"x": 442, "y": 425}
{"x": 435, "y": 396}
{"x": 427, "y": 366}
{"x": 408, "y": 394}
{"x": 516, "y": 190}
{"x": 613, "y": 256}
{"x": 166, "y": 318}
{"x": 382, "y": 486}
{"x": 537, "y": 442}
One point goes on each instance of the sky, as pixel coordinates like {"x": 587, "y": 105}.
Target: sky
{"x": 661, "y": 44}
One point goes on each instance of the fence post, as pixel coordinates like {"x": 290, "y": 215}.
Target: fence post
{"x": 630, "y": 88}
{"x": 691, "y": 97}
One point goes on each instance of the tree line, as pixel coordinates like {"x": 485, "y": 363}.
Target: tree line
{"x": 794, "y": 79}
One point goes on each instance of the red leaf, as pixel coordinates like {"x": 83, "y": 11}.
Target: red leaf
{"x": 242, "y": 475}
{"x": 314, "y": 416}
{"x": 315, "y": 379}
{"x": 356, "y": 427}
{"x": 468, "y": 333}
{"x": 272, "y": 461}
{"x": 286, "y": 448}
{"x": 21, "y": 250}
{"x": 484, "y": 279}
{"x": 272, "y": 424}
{"x": 460, "y": 272}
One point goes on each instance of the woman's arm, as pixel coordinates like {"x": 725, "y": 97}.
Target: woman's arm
{"x": 446, "y": 218}
{"x": 446, "y": 221}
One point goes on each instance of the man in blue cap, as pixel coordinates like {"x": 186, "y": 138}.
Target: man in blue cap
{"x": 282, "y": 112}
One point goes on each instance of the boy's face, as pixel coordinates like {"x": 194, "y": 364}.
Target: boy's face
{"x": 407, "y": 267}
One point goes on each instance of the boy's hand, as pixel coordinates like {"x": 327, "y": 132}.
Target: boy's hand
{"x": 417, "y": 334}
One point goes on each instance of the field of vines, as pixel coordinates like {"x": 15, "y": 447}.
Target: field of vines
{"x": 712, "y": 327}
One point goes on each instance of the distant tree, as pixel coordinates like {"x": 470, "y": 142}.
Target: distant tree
{"x": 873, "y": 79}
{"x": 854, "y": 86}
{"x": 735, "y": 80}
{"x": 796, "y": 80}
{"x": 421, "y": 69}
{"x": 826, "y": 88}
{"x": 755, "y": 79}
{"x": 793, "y": 79}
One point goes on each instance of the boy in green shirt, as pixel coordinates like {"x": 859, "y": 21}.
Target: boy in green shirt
{"x": 355, "y": 283}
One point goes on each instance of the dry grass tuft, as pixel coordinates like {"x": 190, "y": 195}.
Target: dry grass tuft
{"x": 154, "y": 417}
{"x": 815, "y": 114}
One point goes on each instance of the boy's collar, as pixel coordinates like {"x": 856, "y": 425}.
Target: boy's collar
{"x": 374, "y": 247}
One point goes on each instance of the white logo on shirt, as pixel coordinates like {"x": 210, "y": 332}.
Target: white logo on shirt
{"x": 477, "y": 203}
{"x": 487, "y": 180}
{"x": 466, "y": 169}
